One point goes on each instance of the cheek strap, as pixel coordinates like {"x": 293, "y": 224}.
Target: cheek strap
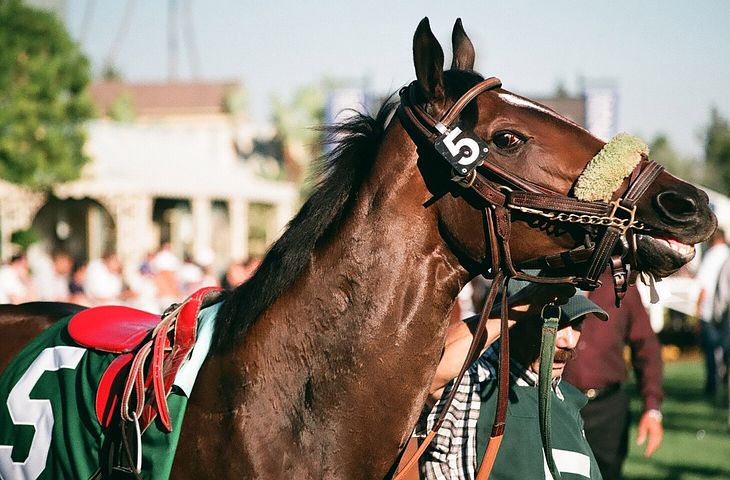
{"x": 606, "y": 171}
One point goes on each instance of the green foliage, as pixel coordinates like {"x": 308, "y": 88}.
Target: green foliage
{"x": 24, "y": 238}
{"x": 717, "y": 151}
{"x": 43, "y": 99}
{"x": 296, "y": 124}
{"x": 122, "y": 108}
{"x": 662, "y": 151}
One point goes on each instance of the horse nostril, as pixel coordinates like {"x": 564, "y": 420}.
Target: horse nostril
{"x": 676, "y": 206}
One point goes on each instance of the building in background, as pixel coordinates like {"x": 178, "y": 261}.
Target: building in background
{"x": 169, "y": 163}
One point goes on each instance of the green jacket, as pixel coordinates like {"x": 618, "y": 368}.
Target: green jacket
{"x": 521, "y": 454}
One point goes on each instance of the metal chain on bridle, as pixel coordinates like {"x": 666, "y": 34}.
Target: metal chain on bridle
{"x": 499, "y": 194}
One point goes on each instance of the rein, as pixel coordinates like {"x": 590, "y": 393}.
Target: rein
{"x": 498, "y": 194}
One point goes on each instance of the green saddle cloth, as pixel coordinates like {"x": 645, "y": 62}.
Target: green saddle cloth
{"x": 48, "y": 425}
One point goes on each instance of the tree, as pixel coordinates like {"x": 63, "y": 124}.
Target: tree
{"x": 43, "y": 98}
{"x": 717, "y": 151}
{"x": 296, "y": 125}
{"x": 662, "y": 152}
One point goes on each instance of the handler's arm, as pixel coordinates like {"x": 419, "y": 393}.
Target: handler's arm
{"x": 525, "y": 304}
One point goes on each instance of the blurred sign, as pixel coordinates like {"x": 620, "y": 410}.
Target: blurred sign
{"x": 602, "y": 111}
{"x": 341, "y": 102}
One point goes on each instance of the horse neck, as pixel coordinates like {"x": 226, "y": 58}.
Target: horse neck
{"x": 356, "y": 340}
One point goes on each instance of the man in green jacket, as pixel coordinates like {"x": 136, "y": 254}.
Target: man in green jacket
{"x": 459, "y": 446}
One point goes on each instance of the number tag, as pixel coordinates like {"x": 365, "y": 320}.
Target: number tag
{"x": 463, "y": 149}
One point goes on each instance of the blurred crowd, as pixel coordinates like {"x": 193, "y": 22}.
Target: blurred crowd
{"x": 161, "y": 279}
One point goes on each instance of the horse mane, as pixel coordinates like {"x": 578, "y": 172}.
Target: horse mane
{"x": 341, "y": 173}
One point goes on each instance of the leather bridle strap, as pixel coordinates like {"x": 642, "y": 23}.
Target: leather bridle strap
{"x": 430, "y": 128}
{"x": 500, "y": 415}
{"x": 473, "y": 353}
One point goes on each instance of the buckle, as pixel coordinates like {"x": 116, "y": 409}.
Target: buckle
{"x": 623, "y": 224}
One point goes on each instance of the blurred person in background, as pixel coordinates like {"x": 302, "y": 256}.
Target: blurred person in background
{"x": 165, "y": 265}
{"x": 710, "y": 340}
{"x": 15, "y": 284}
{"x": 104, "y": 283}
{"x": 143, "y": 283}
{"x": 602, "y": 372}
{"x": 76, "y": 281}
{"x": 250, "y": 266}
{"x": 189, "y": 276}
{"x": 51, "y": 279}
{"x": 206, "y": 259}
{"x": 235, "y": 274}
{"x": 721, "y": 311}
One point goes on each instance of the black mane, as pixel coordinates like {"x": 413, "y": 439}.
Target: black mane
{"x": 342, "y": 172}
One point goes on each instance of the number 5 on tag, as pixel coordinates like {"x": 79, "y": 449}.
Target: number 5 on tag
{"x": 463, "y": 149}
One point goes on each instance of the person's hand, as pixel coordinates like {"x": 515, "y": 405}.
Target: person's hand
{"x": 650, "y": 431}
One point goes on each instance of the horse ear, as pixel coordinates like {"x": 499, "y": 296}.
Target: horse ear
{"x": 463, "y": 48}
{"x": 428, "y": 58}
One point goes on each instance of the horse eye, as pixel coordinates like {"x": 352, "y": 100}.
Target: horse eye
{"x": 506, "y": 140}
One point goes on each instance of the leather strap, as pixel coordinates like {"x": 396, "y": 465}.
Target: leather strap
{"x": 500, "y": 414}
{"x": 551, "y": 318}
{"x": 473, "y": 353}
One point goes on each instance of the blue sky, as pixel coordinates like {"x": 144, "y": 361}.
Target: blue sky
{"x": 669, "y": 59}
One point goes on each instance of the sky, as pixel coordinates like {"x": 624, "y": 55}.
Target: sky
{"x": 669, "y": 59}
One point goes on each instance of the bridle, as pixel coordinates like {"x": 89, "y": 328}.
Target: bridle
{"x": 499, "y": 194}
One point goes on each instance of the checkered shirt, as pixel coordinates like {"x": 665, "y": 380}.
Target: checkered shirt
{"x": 452, "y": 453}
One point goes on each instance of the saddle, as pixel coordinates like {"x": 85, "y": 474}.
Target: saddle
{"x": 150, "y": 350}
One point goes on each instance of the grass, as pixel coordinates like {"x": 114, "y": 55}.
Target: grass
{"x": 696, "y": 437}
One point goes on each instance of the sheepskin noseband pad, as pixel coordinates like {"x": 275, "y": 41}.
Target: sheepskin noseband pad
{"x": 605, "y": 172}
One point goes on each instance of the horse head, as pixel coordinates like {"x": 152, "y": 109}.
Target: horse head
{"x": 536, "y": 160}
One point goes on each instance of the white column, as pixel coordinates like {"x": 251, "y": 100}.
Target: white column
{"x": 284, "y": 213}
{"x": 202, "y": 224}
{"x": 132, "y": 215}
{"x": 238, "y": 210}
{"x": 17, "y": 212}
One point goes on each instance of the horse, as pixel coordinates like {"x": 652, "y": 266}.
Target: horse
{"x": 321, "y": 362}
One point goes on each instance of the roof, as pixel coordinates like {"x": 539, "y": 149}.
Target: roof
{"x": 164, "y": 98}
{"x": 172, "y": 160}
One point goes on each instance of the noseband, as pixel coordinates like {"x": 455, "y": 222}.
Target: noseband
{"x": 498, "y": 194}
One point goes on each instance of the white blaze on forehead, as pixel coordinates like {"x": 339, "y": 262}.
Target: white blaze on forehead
{"x": 513, "y": 99}
{"x": 523, "y": 102}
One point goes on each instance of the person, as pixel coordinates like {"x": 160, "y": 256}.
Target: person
{"x": 721, "y": 310}
{"x": 165, "y": 265}
{"x": 459, "y": 445}
{"x": 76, "y": 281}
{"x": 707, "y": 276}
{"x": 189, "y": 276}
{"x": 239, "y": 272}
{"x": 601, "y": 374}
{"x": 51, "y": 279}
{"x": 15, "y": 284}
{"x": 103, "y": 283}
